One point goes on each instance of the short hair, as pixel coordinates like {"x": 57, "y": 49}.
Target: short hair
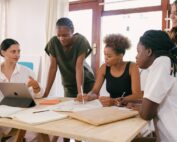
{"x": 6, "y": 44}
{"x": 161, "y": 45}
{"x": 65, "y": 22}
{"x": 118, "y": 42}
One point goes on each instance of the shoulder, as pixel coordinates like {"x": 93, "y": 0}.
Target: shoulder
{"x": 78, "y": 37}
{"x": 102, "y": 69}
{"x": 161, "y": 64}
{"x": 133, "y": 66}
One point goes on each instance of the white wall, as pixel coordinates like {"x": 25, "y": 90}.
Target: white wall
{"x": 26, "y": 22}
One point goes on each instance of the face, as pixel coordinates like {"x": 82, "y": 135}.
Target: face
{"x": 64, "y": 35}
{"x": 173, "y": 15}
{"x": 12, "y": 54}
{"x": 143, "y": 56}
{"x": 111, "y": 58}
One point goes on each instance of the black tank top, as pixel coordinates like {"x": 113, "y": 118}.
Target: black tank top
{"x": 116, "y": 86}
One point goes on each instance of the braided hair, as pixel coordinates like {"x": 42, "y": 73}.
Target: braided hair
{"x": 65, "y": 22}
{"x": 161, "y": 45}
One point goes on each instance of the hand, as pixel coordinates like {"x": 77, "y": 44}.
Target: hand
{"x": 106, "y": 101}
{"x": 134, "y": 106}
{"x": 34, "y": 84}
{"x": 80, "y": 97}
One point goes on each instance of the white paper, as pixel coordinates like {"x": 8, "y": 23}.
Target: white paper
{"x": 43, "y": 116}
{"x": 74, "y": 106}
{"x": 7, "y": 111}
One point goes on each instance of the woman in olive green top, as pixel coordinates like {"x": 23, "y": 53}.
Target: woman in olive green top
{"x": 68, "y": 51}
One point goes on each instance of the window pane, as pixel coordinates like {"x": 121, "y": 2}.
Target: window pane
{"x": 125, "y": 4}
{"x": 83, "y": 25}
{"x": 132, "y": 26}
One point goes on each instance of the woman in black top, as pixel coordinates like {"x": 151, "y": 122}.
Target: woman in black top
{"x": 122, "y": 78}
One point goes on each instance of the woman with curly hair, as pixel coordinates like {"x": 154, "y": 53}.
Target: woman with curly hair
{"x": 122, "y": 78}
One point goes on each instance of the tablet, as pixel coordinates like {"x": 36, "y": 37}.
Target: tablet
{"x": 16, "y": 94}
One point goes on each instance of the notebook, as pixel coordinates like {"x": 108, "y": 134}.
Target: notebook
{"x": 16, "y": 95}
{"x": 104, "y": 115}
{"x": 33, "y": 117}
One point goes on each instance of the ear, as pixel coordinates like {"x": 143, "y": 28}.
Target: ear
{"x": 149, "y": 51}
{"x": 2, "y": 53}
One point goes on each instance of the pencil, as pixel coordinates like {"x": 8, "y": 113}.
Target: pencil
{"x": 82, "y": 95}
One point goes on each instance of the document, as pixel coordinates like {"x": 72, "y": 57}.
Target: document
{"x": 7, "y": 111}
{"x": 31, "y": 116}
{"x": 74, "y": 106}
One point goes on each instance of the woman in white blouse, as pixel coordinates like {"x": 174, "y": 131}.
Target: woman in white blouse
{"x": 11, "y": 71}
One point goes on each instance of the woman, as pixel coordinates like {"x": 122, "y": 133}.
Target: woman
{"x": 122, "y": 78}
{"x": 11, "y": 71}
{"x": 158, "y": 53}
{"x": 173, "y": 14}
{"x": 68, "y": 51}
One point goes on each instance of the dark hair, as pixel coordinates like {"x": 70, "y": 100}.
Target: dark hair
{"x": 173, "y": 35}
{"x": 65, "y": 22}
{"x": 118, "y": 42}
{"x": 6, "y": 44}
{"x": 175, "y": 3}
{"x": 161, "y": 45}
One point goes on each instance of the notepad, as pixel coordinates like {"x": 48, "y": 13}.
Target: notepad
{"x": 38, "y": 118}
{"x": 104, "y": 115}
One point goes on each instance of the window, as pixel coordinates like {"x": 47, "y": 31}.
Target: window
{"x": 132, "y": 26}
{"x": 125, "y": 4}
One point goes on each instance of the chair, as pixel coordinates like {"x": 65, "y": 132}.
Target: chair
{"x": 27, "y": 64}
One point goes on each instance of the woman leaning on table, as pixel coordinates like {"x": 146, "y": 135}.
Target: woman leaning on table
{"x": 11, "y": 71}
{"x": 122, "y": 77}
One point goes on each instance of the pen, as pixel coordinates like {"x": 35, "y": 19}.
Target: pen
{"x": 123, "y": 94}
{"x": 82, "y": 95}
{"x": 40, "y": 111}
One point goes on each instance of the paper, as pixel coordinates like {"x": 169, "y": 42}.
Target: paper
{"x": 74, "y": 106}
{"x": 42, "y": 116}
{"x": 7, "y": 111}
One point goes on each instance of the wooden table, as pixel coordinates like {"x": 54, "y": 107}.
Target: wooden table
{"x": 120, "y": 131}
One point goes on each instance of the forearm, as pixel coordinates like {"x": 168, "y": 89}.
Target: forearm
{"x": 79, "y": 79}
{"x": 50, "y": 80}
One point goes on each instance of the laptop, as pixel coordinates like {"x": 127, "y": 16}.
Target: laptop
{"x": 16, "y": 95}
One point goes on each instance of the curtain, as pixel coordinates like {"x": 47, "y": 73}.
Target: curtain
{"x": 55, "y": 10}
{"x": 3, "y": 12}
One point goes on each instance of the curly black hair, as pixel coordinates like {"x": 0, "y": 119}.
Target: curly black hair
{"x": 118, "y": 42}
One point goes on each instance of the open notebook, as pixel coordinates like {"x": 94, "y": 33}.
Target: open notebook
{"x": 104, "y": 115}
{"x": 30, "y": 115}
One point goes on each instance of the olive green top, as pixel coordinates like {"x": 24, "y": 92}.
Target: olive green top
{"x": 66, "y": 60}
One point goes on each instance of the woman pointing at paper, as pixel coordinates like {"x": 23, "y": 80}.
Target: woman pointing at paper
{"x": 122, "y": 78}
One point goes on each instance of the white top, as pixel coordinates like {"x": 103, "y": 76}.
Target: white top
{"x": 143, "y": 77}
{"x": 161, "y": 88}
{"x": 21, "y": 74}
